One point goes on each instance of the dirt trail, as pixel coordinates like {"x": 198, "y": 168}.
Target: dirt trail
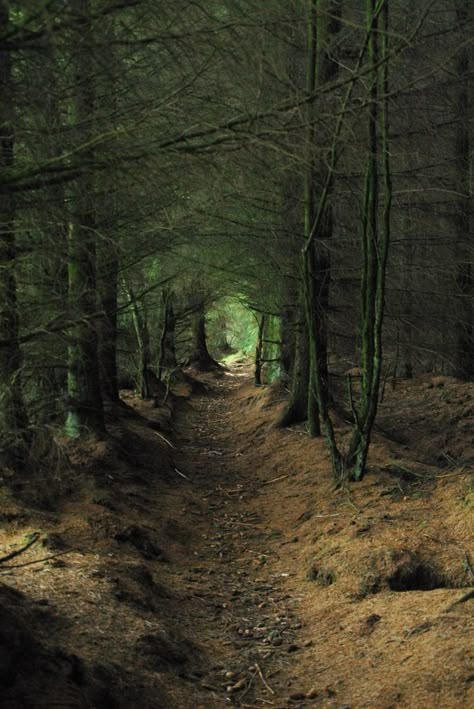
{"x": 315, "y": 599}
{"x": 249, "y": 623}
{"x": 198, "y": 559}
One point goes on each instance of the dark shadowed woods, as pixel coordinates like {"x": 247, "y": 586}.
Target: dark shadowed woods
{"x": 236, "y": 353}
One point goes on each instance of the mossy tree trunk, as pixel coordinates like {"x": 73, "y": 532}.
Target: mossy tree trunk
{"x": 13, "y": 418}
{"x": 375, "y": 239}
{"x": 271, "y": 349}
{"x": 375, "y": 243}
{"x": 259, "y": 350}
{"x": 287, "y": 343}
{"x": 85, "y": 409}
{"x": 323, "y": 20}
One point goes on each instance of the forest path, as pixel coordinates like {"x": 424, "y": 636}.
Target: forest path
{"x": 248, "y": 582}
{"x": 278, "y": 569}
{"x": 247, "y": 622}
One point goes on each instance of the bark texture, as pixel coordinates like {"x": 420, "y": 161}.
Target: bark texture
{"x": 13, "y": 419}
{"x": 85, "y": 409}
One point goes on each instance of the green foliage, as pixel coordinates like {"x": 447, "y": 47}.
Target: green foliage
{"x": 232, "y": 326}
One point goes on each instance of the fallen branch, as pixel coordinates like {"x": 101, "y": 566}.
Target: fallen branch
{"x": 34, "y": 538}
{"x": 36, "y": 561}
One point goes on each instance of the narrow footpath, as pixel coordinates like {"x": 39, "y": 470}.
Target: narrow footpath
{"x": 248, "y": 623}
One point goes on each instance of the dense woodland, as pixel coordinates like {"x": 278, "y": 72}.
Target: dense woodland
{"x": 294, "y": 176}
{"x": 236, "y": 354}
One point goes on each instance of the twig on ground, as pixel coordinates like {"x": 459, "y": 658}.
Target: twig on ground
{"x": 275, "y": 480}
{"x": 442, "y": 476}
{"x": 160, "y": 435}
{"x": 17, "y": 552}
{"x": 260, "y": 674}
{"x": 239, "y": 491}
{"x": 467, "y": 597}
{"x": 248, "y": 687}
{"x": 182, "y": 475}
{"x": 352, "y": 504}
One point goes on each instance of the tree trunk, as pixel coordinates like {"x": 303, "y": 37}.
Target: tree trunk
{"x": 323, "y": 24}
{"x": 407, "y": 329}
{"x": 107, "y": 327}
{"x": 287, "y": 346}
{"x": 311, "y": 266}
{"x": 375, "y": 245}
{"x": 259, "y": 351}
{"x": 297, "y": 408}
{"x": 108, "y": 251}
{"x": 167, "y": 363}
{"x": 52, "y": 258}
{"x": 140, "y": 324}
{"x": 13, "y": 418}
{"x": 200, "y": 358}
{"x": 464, "y": 249}
{"x": 85, "y": 409}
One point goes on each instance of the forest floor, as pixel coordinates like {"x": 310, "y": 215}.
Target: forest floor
{"x": 200, "y": 559}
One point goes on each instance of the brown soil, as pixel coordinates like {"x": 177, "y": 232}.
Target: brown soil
{"x": 215, "y": 566}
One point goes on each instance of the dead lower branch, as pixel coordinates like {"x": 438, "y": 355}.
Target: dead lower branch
{"x": 33, "y": 539}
